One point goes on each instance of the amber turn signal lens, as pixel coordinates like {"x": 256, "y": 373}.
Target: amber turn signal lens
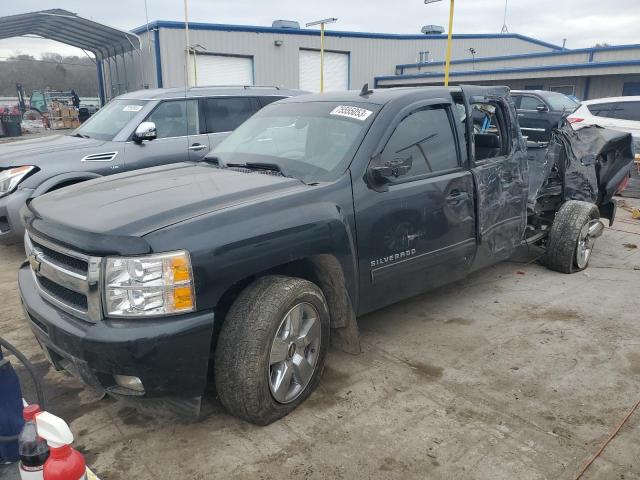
{"x": 180, "y": 269}
{"x": 182, "y": 298}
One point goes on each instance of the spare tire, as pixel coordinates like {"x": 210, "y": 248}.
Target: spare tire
{"x": 570, "y": 242}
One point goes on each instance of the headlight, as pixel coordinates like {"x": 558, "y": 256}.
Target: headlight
{"x": 11, "y": 177}
{"x": 152, "y": 285}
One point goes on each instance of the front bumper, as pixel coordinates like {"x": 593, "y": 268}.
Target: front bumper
{"x": 11, "y": 227}
{"x": 170, "y": 355}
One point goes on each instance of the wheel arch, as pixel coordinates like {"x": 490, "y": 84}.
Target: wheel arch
{"x": 324, "y": 270}
{"x": 63, "y": 180}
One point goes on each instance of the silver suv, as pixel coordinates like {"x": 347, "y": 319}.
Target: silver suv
{"x": 136, "y": 130}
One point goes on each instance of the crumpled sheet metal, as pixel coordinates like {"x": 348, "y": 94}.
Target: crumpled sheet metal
{"x": 586, "y": 160}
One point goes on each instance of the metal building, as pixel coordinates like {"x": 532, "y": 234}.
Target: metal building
{"x": 289, "y": 57}
{"x": 586, "y": 72}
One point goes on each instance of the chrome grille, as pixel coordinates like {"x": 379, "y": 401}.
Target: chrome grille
{"x": 67, "y": 279}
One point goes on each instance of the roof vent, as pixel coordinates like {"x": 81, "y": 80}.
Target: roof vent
{"x": 289, "y": 24}
{"x": 432, "y": 30}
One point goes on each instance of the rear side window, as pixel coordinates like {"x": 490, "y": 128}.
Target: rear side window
{"x": 600, "y": 109}
{"x": 490, "y": 132}
{"x": 626, "y": 111}
{"x": 426, "y": 137}
{"x": 528, "y": 102}
{"x": 226, "y": 114}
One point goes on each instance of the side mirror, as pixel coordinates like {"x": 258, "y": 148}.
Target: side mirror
{"x": 392, "y": 169}
{"x": 541, "y": 108}
{"x": 145, "y": 131}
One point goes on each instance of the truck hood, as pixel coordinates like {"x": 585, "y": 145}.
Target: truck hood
{"x": 136, "y": 203}
{"x": 32, "y": 151}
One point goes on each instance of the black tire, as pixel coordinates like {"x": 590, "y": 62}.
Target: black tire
{"x": 242, "y": 356}
{"x": 565, "y": 233}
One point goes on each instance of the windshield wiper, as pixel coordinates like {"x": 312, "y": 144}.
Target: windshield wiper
{"x": 80, "y": 135}
{"x": 273, "y": 167}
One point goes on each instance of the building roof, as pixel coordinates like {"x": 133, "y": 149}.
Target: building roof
{"x": 335, "y": 33}
{"x": 67, "y": 27}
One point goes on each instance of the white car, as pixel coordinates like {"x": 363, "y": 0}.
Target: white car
{"x": 617, "y": 113}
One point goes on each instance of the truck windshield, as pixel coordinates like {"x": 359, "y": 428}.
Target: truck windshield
{"x": 312, "y": 141}
{"x": 560, "y": 102}
{"x": 110, "y": 119}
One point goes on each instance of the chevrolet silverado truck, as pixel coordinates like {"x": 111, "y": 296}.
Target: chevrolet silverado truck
{"x": 135, "y": 130}
{"x": 240, "y": 268}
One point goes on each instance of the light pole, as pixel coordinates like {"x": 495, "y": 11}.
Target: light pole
{"x": 472, "y": 51}
{"x": 322, "y": 24}
{"x": 449, "y": 34}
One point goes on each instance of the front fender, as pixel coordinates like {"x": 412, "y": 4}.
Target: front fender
{"x": 235, "y": 244}
{"x": 64, "y": 178}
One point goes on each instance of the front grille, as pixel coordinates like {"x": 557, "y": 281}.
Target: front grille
{"x": 77, "y": 300}
{"x": 67, "y": 279}
{"x": 79, "y": 266}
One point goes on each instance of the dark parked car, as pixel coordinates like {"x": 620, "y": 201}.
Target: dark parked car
{"x": 540, "y": 111}
{"x": 314, "y": 211}
{"x": 183, "y": 125}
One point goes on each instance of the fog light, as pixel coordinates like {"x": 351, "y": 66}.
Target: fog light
{"x": 132, "y": 383}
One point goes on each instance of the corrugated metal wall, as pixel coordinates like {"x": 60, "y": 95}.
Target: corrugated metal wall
{"x": 555, "y": 59}
{"x": 131, "y": 71}
{"x": 599, "y": 86}
{"x": 279, "y": 65}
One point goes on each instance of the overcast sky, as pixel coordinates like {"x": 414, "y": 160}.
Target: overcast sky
{"x": 582, "y": 22}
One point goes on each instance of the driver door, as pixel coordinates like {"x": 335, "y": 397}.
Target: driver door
{"x": 416, "y": 231}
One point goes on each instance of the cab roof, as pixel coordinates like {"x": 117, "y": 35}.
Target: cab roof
{"x": 379, "y": 96}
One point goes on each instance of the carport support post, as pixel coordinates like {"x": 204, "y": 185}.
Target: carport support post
{"x": 448, "y": 57}
{"x": 100, "y": 82}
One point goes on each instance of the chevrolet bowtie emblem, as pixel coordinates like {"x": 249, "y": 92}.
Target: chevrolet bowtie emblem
{"x": 35, "y": 261}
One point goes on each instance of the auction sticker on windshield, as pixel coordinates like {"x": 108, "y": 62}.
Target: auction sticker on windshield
{"x": 132, "y": 108}
{"x": 356, "y": 113}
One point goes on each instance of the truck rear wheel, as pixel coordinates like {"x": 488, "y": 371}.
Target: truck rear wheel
{"x": 572, "y": 235}
{"x": 272, "y": 347}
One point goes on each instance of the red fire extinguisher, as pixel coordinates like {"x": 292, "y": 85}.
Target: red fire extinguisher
{"x": 64, "y": 462}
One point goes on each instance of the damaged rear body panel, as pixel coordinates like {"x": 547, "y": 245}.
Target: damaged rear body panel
{"x": 587, "y": 165}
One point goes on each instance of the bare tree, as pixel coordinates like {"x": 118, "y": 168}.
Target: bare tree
{"x": 50, "y": 71}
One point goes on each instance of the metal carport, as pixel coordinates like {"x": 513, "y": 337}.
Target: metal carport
{"x": 106, "y": 43}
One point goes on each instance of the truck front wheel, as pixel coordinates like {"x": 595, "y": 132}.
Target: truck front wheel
{"x": 573, "y": 233}
{"x": 272, "y": 347}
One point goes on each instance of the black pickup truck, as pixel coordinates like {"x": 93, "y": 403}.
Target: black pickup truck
{"x": 320, "y": 208}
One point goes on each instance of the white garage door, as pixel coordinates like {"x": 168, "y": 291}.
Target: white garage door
{"x": 336, "y": 71}
{"x": 224, "y": 70}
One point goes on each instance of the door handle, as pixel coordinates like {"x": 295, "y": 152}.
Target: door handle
{"x": 196, "y": 147}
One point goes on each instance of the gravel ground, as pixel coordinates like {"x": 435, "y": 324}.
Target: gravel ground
{"x": 515, "y": 372}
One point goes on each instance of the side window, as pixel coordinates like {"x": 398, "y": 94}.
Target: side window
{"x": 226, "y": 114}
{"x": 490, "y": 132}
{"x": 530, "y": 103}
{"x": 175, "y": 118}
{"x": 264, "y": 101}
{"x": 516, "y": 100}
{"x": 600, "y": 109}
{"x": 626, "y": 111}
{"x": 425, "y": 137}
